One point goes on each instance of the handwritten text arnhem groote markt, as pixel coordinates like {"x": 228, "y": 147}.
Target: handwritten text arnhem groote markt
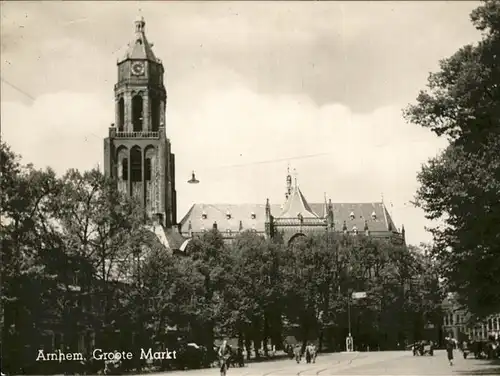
{"x": 99, "y": 354}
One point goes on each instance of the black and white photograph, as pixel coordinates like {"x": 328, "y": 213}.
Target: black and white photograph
{"x": 250, "y": 188}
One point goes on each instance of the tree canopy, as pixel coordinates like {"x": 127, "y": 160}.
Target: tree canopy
{"x": 77, "y": 256}
{"x": 461, "y": 186}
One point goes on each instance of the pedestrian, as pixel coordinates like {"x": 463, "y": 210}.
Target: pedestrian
{"x": 297, "y": 351}
{"x": 224, "y": 355}
{"x": 241, "y": 357}
{"x": 450, "y": 345}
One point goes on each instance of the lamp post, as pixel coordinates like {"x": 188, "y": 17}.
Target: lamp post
{"x": 349, "y": 342}
{"x": 193, "y": 179}
{"x": 349, "y": 312}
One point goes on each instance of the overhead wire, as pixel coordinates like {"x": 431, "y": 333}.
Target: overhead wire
{"x": 18, "y": 89}
{"x": 238, "y": 165}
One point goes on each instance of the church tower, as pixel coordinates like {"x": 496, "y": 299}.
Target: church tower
{"x": 137, "y": 152}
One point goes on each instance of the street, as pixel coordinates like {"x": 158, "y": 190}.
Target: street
{"x": 372, "y": 363}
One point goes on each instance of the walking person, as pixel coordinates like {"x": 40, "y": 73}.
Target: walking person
{"x": 224, "y": 355}
{"x": 297, "y": 351}
{"x": 450, "y": 346}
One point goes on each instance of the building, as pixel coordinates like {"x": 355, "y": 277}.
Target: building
{"x": 458, "y": 322}
{"x": 295, "y": 217}
{"x": 137, "y": 152}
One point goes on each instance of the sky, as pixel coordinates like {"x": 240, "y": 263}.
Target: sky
{"x": 252, "y": 86}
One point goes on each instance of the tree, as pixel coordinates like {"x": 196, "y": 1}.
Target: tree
{"x": 313, "y": 271}
{"x": 29, "y": 253}
{"x": 254, "y": 299}
{"x": 461, "y": 187}
{"x": 212, "y": 259}
{"x": 424, "y": 292}
{"x": 104, "y": 232}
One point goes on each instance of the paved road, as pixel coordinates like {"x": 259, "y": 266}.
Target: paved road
{"x": 374, "y": 363}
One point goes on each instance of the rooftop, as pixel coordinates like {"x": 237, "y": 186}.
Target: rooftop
{"x": 139, "y": 48}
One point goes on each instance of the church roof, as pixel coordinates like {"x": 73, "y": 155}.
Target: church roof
{"x": 139, "y": 47}
{"x": 297, "y": 204}
{"x": 170, "y": 238}
{"x": 253, "y": 216}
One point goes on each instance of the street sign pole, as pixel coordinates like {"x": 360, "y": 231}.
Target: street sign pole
{"x": 349, "y": 343}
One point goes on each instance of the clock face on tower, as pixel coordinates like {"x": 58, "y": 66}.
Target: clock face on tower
{"x": 138, "y": 68}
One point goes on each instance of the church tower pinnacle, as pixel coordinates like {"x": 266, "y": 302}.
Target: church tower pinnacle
{"x": 288, "y": 191}
{"x": 137, "y": 152}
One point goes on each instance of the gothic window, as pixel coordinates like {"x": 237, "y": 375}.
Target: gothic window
{"x": 135, "y": 164}
{"x": 124, "y": 169}
{"x": 147, "y": 169}
{"x": 121, "y": 114}
{"x": 137, "y": 113}
{"x": 155, "y": 114}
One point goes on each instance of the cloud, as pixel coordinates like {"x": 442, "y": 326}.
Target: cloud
{"x": 62, "y": 130}
{"x": 247, "y": 83}
{"x": 365, "y": 55}
{"x": 228, "y": 134}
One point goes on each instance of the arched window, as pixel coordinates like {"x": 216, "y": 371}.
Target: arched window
{"x": 137, "y": 113}
{"x": 121, "y": 114}
{"x": 147, "y": 169}
{"x": 155, "y": 114}
{"x": 135, "y": 164}
{"x": 124, "y": 169}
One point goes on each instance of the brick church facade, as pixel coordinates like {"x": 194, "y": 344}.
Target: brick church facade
{"x": 138, "y": 154}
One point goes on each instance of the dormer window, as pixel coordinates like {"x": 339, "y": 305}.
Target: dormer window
{"x": 228, "y": 215}
{"x": 203, "y": 215}
{"x": 374, "y": 215}
{"x": 352, "y": 216}
{"x": 253, "y": 216}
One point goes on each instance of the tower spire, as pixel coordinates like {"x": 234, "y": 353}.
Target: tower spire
{"x": 295, "y": 178}
{"x": 140, "y": 24}
{"x": 325, "y": 207}
{"x": 139, "y": 48}
{"x": 288, "y": 191}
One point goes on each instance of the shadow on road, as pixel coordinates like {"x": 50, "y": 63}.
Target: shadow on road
{"x": 488, "y": 367}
